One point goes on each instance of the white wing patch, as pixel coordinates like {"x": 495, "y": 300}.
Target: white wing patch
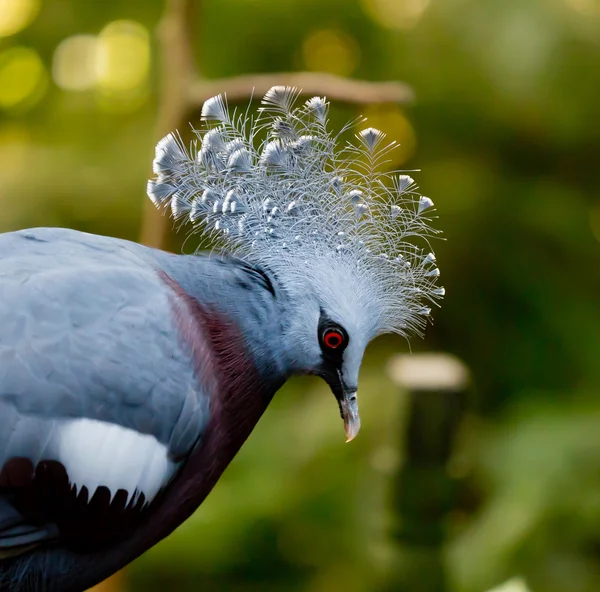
{"x": 96, "y": 453}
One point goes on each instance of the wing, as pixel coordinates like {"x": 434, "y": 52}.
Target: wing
{"x": 98, "y": 392}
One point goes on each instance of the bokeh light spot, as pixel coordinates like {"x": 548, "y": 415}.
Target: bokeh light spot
{"x": 519, "y": 53}
{"x": 396, "y": 125}
{"x": 15, "y": 15}
{"x": 22, "y": 77}
{"x": 395, "y": 14}
{"x": 123, "y": 56}
{"x": 331, "y": 51}
{"x": 588, "y": 8}
{"x": 74, "y": 65}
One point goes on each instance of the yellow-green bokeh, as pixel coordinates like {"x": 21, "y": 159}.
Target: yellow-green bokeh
{"x": 23, "y": 77}
{"x": 16, "y": 15}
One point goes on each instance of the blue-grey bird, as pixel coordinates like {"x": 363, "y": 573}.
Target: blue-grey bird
{"x": 130, "y": 377}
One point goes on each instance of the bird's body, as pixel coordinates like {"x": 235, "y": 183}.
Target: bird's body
{"x": 130, "y": 377}
{"x": 110, "y": 375}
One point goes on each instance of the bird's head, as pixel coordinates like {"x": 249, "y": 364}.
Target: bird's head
{"x": 328, "y": 329}
{"x": 341, "y": 236}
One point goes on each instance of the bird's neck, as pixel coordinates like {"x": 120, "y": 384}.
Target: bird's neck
{"x": 224, "y": 289}
{"x": 221, "y": 308}
{"x": 240, "y": 393}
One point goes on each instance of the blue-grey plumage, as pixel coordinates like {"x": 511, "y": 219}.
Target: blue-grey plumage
{"x": 105, "y": 370}
{"x": 77, "y": 311}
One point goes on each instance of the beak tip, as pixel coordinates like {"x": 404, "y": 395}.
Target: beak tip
{"x": 352, "y": 428}
{"x": 349, "y": 413}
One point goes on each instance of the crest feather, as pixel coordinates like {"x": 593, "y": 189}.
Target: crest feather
{"x": 298, "y": 202}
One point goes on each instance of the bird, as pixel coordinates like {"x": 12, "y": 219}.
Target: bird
{"x": 130, "y": 376}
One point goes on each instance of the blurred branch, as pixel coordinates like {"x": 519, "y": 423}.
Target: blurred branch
{"x": 311, "y": 83}
{"x": 183, "y": 91}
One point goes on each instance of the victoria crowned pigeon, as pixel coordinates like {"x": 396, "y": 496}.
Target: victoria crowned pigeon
{"x": 130, "y": 377}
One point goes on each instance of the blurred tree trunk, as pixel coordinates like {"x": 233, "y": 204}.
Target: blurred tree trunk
{"x": 424, "y": 493}
{"x": 176, "y": 36}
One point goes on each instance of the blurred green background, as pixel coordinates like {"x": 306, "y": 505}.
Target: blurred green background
{"x": 458, "y": 492}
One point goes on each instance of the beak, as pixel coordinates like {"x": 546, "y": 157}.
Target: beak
{"x": 348, "y": 403}
{"x": 349, "y": 411}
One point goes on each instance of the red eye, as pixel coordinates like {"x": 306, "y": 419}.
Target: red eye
{"x": 333, "y": 339}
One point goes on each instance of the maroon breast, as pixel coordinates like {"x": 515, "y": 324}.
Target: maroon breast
{"x": 236, "y": 404}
